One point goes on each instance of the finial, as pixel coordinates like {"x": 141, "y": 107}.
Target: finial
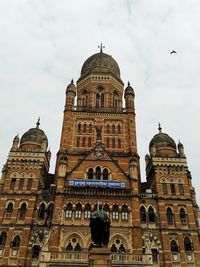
{"x": 159, "y": 128}
{"x": 72, "y": 81}
{"x": 101, "y": 48}
{"x": 129, "y": 83}
{"x": 38, "y": 123}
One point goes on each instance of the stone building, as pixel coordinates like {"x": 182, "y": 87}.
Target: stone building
{"x": 44, "y": 218}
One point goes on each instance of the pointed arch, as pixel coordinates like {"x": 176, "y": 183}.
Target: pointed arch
{"x": 170, "y": 216}
{"x": 22, "y": 211}
{"x": 143, "y": 217}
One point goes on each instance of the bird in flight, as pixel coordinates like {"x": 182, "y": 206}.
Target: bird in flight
{"x": 173, "y": 52}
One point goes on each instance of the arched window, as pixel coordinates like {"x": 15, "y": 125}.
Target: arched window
{"x": 113, "y": 143}
{"x": 21, "y": 184}
{"x": 151, "y": 215}
{"x": 29, "y": 185}
{"x": 87, "y": 213}
{"x": 68, "y": 212}
{"x": 98, "y": 173}
{"x": 85, "y": 128}
{"x": 78, "y": 141}
{"x": 22, "y": 211}
{"x": 143, "y": 215}
{"x": 170, "y": 217}
{"x": 35, "y": 251}
{"x": 50, "y": 211}
{"x": 105, "y": 174}
{"x": 102, "y": 100}
{"x": 89, "y": 142}
{"x": 122, "y": 249}
{"x": 108, "y": 129}
{"x": 77, "y": 247}
{"x": 187, "y": 244}
{"x": 16, "y": 242}
{"x": 183, "y": 216}
{"x": 119, "y": 143}
{"x": 41, "y": 211}
{"x": 9, "y": 209}
{"x": 107, "y": 210}
{"x": 173, "y": 189}
{"x": 97, "y": 100}
{"x": 124, "y": 213}
{"x": 3, "y": 238}
{"x": 164, "y": 188}
{"x": 181, "y": 189}
{"x": 90, "y": 174}
{"x": 113, "y": 248}
{"x": 90, "y": 128}
{"x": 69, "y": 247}
{"x": 12, "y": 183}
{"x": 118, "y": 129}
{"x": 83, "y": 142}
{"x": 78, "y": 211}
{"x": 115, "y": 102}
{"x": 113, "y": 129}
{"x": 174, "y": 246}
{"x": 79, "y": 127}
{"x": 115, "y": 212}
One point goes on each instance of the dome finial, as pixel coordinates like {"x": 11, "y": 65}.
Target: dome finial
{"x": 72, "y": 81}
{"x": 101, "y": 48}
{"x": 38, "y": 123}
{"x": 159, "y": 128}
{"x": 129, "y": 83}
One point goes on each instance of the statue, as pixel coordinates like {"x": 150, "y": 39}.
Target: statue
{"x": 100, "y": 228}
{"x": 98, "y": 130}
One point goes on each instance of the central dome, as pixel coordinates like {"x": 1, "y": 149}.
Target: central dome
{"x": 100, "y": 63}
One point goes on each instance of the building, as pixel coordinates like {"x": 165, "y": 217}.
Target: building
{"x": 44, "y": 218}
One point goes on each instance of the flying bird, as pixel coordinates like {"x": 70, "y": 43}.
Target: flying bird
{"x": 173, "y": 52}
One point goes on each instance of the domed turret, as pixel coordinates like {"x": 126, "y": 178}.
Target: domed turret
{"x": 100, "y": 63}
{"x": 129, "y": 90}
{"x": 129, "y": 96}
{"x": 34, "y": 138}
{"x": 162, "y": 143}
{"x": 15, "y": 143}
{"x": 181, "y": 149}
{"x": 70, "y": 95}
{"x": 71, "y": 88}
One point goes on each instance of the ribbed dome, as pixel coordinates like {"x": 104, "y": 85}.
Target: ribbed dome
{"x": 100, "y": 63}
{"x": 162, "y": 141}
{"x": 34, "y": 136}
{"x": 129, "y": 90}
{"x": 71, "y": 87}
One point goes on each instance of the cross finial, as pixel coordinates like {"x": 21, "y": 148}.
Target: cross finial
{"x": 38, "y": 123}
{"x": 159, "y": 128}
{"x": 101, "y": 48}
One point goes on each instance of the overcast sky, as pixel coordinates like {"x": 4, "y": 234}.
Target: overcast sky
{"x": 44, "y": 44}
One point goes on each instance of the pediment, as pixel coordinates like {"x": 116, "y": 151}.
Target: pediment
{"x": 98, "y": 153}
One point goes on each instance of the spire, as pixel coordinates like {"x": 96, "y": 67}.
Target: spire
{"x": 159, "y": 128}
{"x": 38, "y": 123}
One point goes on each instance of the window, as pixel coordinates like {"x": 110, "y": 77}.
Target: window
{"x": 181, "y": 189}
{"x": 83, "y": 143}
{"x": 77, "y": 247}
{"x": 107, "y": 142}
{"x": 170, "y": 217}
{"x": 69, "y": 247}
{"x": 30, "y": 181}
{"x": 107, "y": 210}
{"x": 90, "y": 128}
{"x": 102, "y": 100}
{"x": 41, "y": 211}
{"x": 151, "y": 215}
{"x": 87, "y": 213}
{"x": 164, "y": 188}
{"x": 79, "y": 127}
{"x": 84, "y": 127}
{"x": 97, "y": 100}
{"x": 187, "y": 244}
{"x": 113, "y": 129}
{"x": 118, "y": 129}
{"x": 143, "y": 215}
{"x": 78, "y": 141}
{"x": 3, "y": 238}
{"x": 35, "y": 251}
{"x": 122, "y": 249}
{"x": 115, "y": 212}
{"x": 174, "y": 246}
{"x": 154, "y": 255}
{"x": 107, "y": 129}
{"x": 98, "y": 173}
{"x": 113, "y": 248}
{"x": 124, "y": 213}
{"x": 16, "y": 242}
{"x": 113, "y": 143}
{"x": 68, "y": 212}
{"x": 22, "y": 211}
{"x": 12, "y": 184}
{"x": 78, "y": 211}
{"x": 49, "y": 211}
{"x": 173, "y": 189}
{"x": 105, "y": 174}
{"x": 183, "y": 216}
{"x": 90, "y": 174}
{"x": 119, "y": 143}
{"x": 9, "y": 210}
{"x": 89, "y": 142}
{"x": 21, "y": 184}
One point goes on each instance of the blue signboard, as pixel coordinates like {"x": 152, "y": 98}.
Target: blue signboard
{"x": 96, "y": 183}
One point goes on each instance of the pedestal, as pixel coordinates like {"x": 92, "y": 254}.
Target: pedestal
{"x": 100, "y": 257}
